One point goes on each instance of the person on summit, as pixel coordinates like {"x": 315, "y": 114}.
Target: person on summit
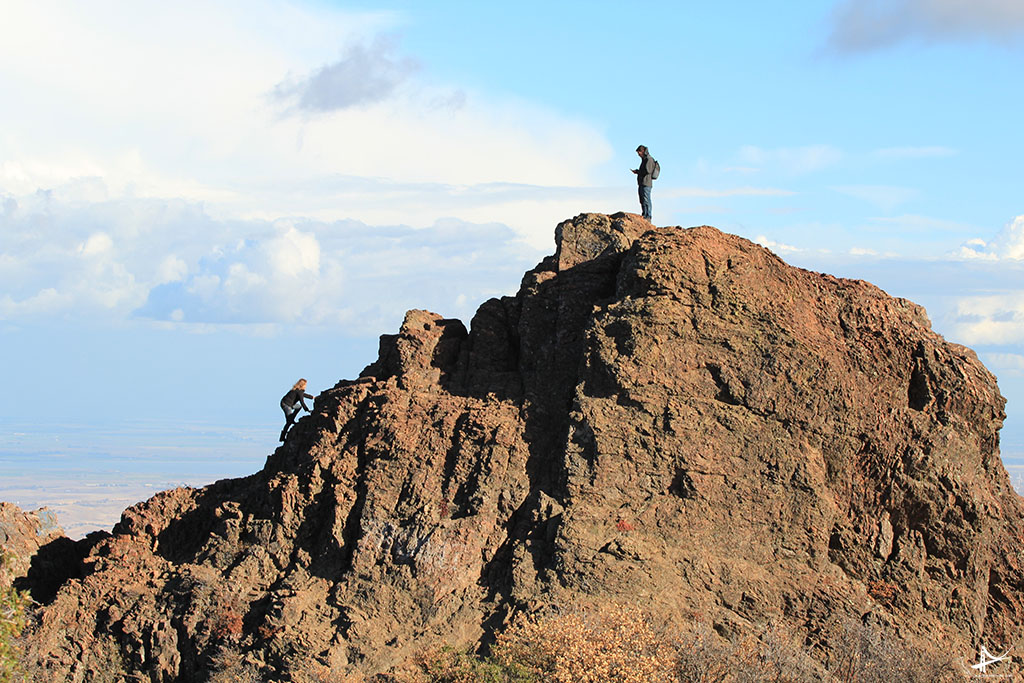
{"x": 290, "y": 403}
{"x": 645, "y": 175}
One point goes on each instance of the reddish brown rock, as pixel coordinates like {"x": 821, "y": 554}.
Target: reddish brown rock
{"x": 669, "y": 415}
{"x": 21, "y": 536}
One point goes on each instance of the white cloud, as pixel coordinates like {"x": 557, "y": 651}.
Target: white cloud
{"x": 165, "y": 106}
{"x": 293, "y": 254}
{"x": 98, "y": 243}
{"x": 170, "y": 261}
{"x": 44, "y": 301}
{"x": 777, "y": 247}
{"x": 796, "y": 160}
{"x": 171, "y": 269}
{"x": 1011, "y": 362}
{"x": 990, "y": 319}
{"x": 1008, "y": 244}
{"x": 974, "y": 249}
{"x": 861, "y": 25}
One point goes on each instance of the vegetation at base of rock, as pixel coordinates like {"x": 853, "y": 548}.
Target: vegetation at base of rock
{"x": 13, "y": 619}
{"x": 449, "y": 665}
{"x": 613, "y": 642}
{"x": 866, "y": 654}
{"x": 230, "y": 667}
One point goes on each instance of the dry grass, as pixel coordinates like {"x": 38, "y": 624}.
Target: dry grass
{"x": 619, "y": 644}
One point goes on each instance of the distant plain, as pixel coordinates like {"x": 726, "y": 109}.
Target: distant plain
{"x": 88, "y": 473}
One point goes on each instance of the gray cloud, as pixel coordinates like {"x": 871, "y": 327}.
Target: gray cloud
{"x": 863, "y": 25}
{"x": 366, "y": 74}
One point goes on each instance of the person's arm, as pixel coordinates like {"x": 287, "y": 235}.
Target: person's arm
{"x": 303, "y": 395}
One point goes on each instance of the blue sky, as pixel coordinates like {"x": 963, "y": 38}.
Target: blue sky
{"x": 201, "y": 202}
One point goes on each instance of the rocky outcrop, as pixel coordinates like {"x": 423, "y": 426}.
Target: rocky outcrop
{"x": 22, "y": 534}
{"x": 667, "y": 415}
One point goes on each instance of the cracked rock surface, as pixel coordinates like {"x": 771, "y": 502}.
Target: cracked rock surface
{"x": 664, "y": 415}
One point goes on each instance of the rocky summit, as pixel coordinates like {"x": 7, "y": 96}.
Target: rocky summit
{"x": 669, "y": 417}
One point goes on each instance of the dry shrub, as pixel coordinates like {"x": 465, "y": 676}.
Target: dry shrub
{"x": 228, "y": 626}
{"x": 230, "y": 666}
{"x": 871, "y": 654}
{"x": 606, "y": 643}
{"x": 448, "y": 665}
{"x": 311, "y": 669}
{"x": 774, "y": 657}
{"x": 620, "y": 643}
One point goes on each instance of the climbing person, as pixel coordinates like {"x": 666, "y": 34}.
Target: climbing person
{"x": 645, "y": 175}
{"x": 290, "y": 404}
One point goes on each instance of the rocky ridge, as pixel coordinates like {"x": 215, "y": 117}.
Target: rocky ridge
{"x": 664, "y": 415}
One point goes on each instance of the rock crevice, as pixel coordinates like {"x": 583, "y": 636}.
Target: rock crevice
{"x": 667, "y": 415}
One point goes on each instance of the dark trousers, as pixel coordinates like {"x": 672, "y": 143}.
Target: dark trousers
{"x": 290, "y": 413}
{"x": 645, "y": 200}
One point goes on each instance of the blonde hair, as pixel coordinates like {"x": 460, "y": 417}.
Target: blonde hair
{"x": 300, "y": 385}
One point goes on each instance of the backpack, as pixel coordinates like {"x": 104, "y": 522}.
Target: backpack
{"x": 657, "y": 169}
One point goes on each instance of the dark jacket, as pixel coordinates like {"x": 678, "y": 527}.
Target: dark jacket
{"x": 643, "y": 174}
{"x": 294, "y": 396}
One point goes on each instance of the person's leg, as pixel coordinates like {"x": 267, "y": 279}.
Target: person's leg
{"x": 289, "y": 417}
{"x": 645, "y": 200}
{"x": 640, "y": 193}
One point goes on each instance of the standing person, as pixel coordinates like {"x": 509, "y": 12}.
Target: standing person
{"x": 645, "y": 179}
{"x": 290, "y": 403}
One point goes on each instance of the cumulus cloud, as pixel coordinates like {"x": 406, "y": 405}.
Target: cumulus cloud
{"x": 1007, "y": 245}
{"x": 366, "y": 74}
{"x": 863, "y": 25}
{"x": 777, "y": 247}
{"x": 171, "y": 269}
{"x": 990, "y": 319}
{"x": 1012, "y": 363}
{"x": 173, "y": 263}
{"x": 98, "y": 243}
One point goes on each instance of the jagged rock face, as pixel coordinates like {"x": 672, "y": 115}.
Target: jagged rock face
{"x": 661, "y": 414}
{"x": 21, "y": 536}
